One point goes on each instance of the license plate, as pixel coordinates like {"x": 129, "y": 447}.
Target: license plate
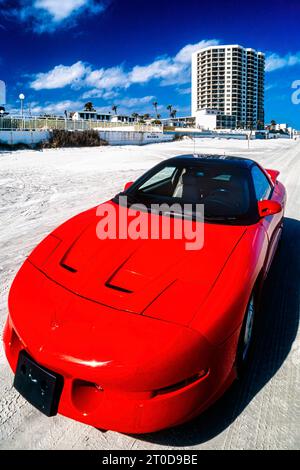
{"x": 39, "y": 386}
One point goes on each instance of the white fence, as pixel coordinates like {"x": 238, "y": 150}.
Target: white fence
{"x": 50, "y": 123}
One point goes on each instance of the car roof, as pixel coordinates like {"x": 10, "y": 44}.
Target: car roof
{"x": 238, "y": 162}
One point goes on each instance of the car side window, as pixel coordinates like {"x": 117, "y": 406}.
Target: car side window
{"x": 160, "y": 177}
{"x": 261, "y": 184}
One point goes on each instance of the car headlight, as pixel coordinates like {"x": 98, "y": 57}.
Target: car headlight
{"x": 184, "y": 383}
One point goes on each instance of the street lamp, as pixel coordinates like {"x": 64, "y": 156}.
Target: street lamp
{"x": 1, "y": 116}
{"x": 22, "y": 98}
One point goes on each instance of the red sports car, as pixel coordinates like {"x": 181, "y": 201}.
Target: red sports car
{"x": 136, "y": 334}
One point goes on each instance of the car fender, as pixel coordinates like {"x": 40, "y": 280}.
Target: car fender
{"x": 223, "y": 311}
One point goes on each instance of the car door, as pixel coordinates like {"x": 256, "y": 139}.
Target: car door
{"x": 272, "y": 224}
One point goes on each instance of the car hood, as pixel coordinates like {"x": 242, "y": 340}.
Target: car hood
{"x": 83, "y": 339}
{"x": 157, "y": 278}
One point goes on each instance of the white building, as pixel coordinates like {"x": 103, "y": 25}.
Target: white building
{"x": 2, "y": 93}
{"x": 90, "y": 115}
{"x": 281, "y": 127}
{"x": 213, "y": 119}
{"x": 122, "y": 118}
{"x": 180, "y": 121}
{"x": 95, "y": 116}
{"x": 229, "y": 79}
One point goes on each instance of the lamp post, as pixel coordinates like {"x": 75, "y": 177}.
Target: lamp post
{"x": 22, "y": 98}
{"x": 1, "y": 116}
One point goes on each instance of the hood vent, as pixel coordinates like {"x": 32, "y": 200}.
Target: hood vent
{"x": 68, "y": 268}
{"x": 121, "y": 289}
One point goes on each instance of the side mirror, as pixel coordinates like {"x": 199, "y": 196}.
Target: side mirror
{"x": 268, "y": 207}
{"x": 273, "y": 175}
{"x": 127, "y": 185}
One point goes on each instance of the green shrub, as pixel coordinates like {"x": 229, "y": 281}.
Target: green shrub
{"x": 61, "y": 138}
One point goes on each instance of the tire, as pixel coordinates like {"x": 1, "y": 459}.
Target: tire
{"x": 246, "y": 336}
{"x": 279, "y": 247}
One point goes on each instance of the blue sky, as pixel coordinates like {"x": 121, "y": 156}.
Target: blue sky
{"x": 62, "y": 53}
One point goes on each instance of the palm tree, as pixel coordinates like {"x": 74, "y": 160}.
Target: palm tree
{"x": 169, "y": 108}
{"x": 155, "y": 103}
{"x": 135, "y": 116}
{"x": 114, "y": 108}
{"x": 89, "y": 106}
{"x": 146, "y": 116}
{"x": 173, "y": 113}
{"x": 158, "y": 116}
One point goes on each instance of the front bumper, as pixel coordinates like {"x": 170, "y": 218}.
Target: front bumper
{"x": 127, "y": 412}
{"x": 112, "y": 361}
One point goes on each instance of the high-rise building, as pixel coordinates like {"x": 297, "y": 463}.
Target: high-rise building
{"x": 229, "y": 79}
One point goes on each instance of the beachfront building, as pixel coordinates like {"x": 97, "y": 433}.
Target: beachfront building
{"x": 213, "y": 119}
{"x": 122, "y": 118}
{"x": 229, "y": 79}
{"x": 96, "y": 116}
{"x": 281, "y": 127}
{"x": 180, "y": 121}
{"x": 90, "y": 115}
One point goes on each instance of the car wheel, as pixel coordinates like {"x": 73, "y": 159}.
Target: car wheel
{"x": 281, "y": 237}
{"x": 246, "y": 336}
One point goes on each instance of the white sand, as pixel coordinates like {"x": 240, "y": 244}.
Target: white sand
{"x": 39, "y": 190}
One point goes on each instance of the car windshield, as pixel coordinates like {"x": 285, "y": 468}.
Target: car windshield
{"x": 223, "y": 189}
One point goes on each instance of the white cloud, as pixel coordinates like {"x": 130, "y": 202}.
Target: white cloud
{"x": 57, "y": 108}
{"x": 58, "y": 9}
{"x": 157, "y": 69}
{"x": 48, "y": 15}
{"x": 128, "y": 105}
{"x": 125, "y": 105}
{"x": 106, "y": 83}
{"x": 106, "y": 79}
{"x": 168, "y": 70}
{"x": 184, "y": 91}
{"x": 135, "y": 102}
{"x": 184, "y": 55}
{"x": 95, "y": 93}
{"x": 275, "y": 61}
{"x": 60, "y": 77}
{"x": 270, "y": 86}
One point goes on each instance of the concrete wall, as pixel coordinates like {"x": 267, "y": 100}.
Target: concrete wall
{"x": 112, "y": 137}
{"x": 134, "y": 138}
{"x": 23, "y": 137}
{"x": 278, "y": 136}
